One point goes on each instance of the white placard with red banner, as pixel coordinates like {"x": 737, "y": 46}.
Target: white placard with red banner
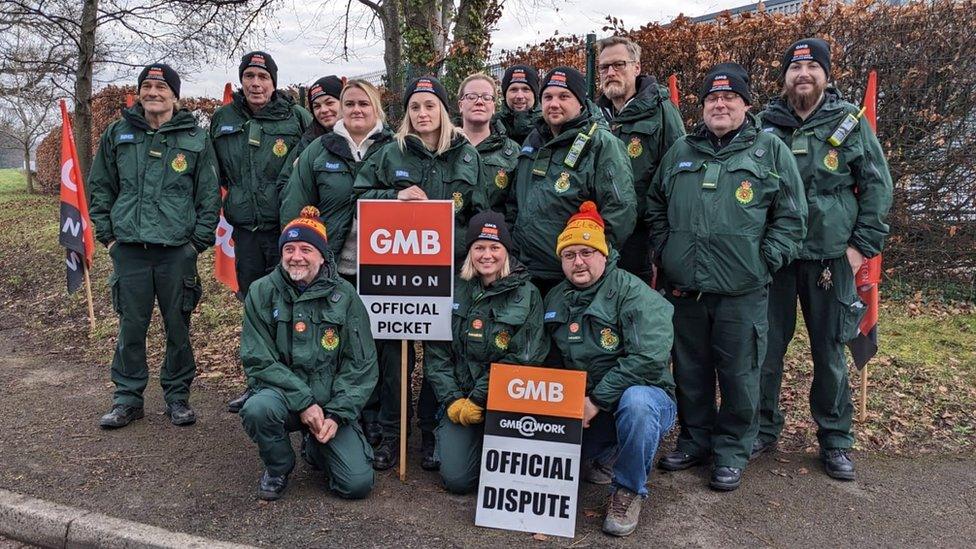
{"x": 406, "y": 267}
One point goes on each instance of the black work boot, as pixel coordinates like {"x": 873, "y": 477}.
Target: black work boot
{"x": 121, "y": 415}
{"x": 387, "y": 455}
{"x": 760, "y": 447}
{"x": 180, "y": 413}
{"x": 725, "y": 479}
{"x": 235, "y": 405}
{"x": 373, "y": 432}
{"x": 678, "y": 461}
{"x": 838, "y": 463}
{"x": 428, "y": 444}
{"x": 271, "y": 487}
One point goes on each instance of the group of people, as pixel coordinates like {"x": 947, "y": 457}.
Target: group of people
{"x": 595, "y": 236}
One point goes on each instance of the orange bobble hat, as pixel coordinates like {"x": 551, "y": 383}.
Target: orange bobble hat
{"x": 586, "y": 228}
{"x": 307, "y": 227}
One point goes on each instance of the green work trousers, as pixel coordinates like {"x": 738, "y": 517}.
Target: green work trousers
{"x": 388, "y": 409}
{"x": 459, "y": 449}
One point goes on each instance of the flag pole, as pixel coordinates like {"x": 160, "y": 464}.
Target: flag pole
{"x": 863, "y": 415}
{"x": 404, "y": 382}
{"x": 88, "y": 296}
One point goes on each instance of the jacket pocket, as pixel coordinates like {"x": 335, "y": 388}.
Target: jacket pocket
{"x": 852, "y": 310}
{"x": 192, "y": 292}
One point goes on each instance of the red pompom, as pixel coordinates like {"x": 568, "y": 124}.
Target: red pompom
{"x": 310, "y": 212}
{"x": 588, "y": 206}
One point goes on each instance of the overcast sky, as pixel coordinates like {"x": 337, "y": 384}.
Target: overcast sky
{"x": 307, "y": 40}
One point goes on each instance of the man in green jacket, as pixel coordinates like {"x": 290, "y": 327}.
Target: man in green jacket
{"x": 606, "y": 322}
{"x": 309, "y": 356}
{"x": 499, "y": 154}
{"x": 253, "y": 137}
{"x": 641, "y": 114}
{"x": 726, "y": 210}
{"x": 848, "y": 187}
{"x": 520, "y": 110}
{"x": 154, "y": 206}
{"x": 568, "y": 159}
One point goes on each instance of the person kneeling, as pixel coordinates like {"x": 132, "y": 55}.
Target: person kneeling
{"x": 309, "y": 358}
{"x": 497, "y": 318}
{"x": 610, "y": 324}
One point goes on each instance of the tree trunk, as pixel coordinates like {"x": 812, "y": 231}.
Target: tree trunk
{"x": 27, "y": 171}
{"x": 393, "y": 52}
{"x": 83, "y": 85}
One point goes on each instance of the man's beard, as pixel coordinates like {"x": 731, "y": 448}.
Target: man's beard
{"x": 804, "y": 101}
{"x": 297, "y": 274}
{"x": 615, "y": 90}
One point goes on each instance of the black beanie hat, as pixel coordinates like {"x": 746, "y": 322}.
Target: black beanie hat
{"x": 808, "y": 49}
{"x": 569, "y": 78}
{"x": 327, "y": 85}
{"x": 261, "y": 60}
{"x": 726, "y": 77}
{"x": 427, "y": 84}
{"x": 488, "y": 225}
{"x": 163, "y": 73}
{"x": 521, "y": 74}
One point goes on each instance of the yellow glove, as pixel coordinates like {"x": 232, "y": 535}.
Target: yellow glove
{"x": 470, "y": 413}
{"x": 454, "y": 410}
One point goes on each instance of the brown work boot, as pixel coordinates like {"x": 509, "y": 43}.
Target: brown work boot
{"x": 622, "y": 513}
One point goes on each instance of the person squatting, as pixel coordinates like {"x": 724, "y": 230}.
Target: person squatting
{"x": 567, "y": 211}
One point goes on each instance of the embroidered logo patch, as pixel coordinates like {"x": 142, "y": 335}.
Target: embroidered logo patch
{"x": 562, "y": 183}
{"x": 574, "y": 327}
{"x": 502, "y": 340}
{"x": 550, "y": 315}
{"x": 477, "y": 324}
{"x": 831, "y": 161}
{"x": 401, "y": 173}
{"x": 608, "y": 339}
{"x": 330, "y": 339}
{"x": 179, "y": 163}
{"x": 280, "y": 148}
{"x": 635, "y": 148}
{"x": 744, "y": 193}
{"x": 300, "y": 327}
{"x": 458, "y": 201}
{"x": 501, "y": 179}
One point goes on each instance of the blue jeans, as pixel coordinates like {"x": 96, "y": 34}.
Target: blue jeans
{"x": 631, "y": 435}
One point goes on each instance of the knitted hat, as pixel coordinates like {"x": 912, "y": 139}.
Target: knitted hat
{"x": 569, "y": 78}
{"x": 808, "y": 49}
{"x": 488, "y": 225}
{"x": 307, "y": 227}
{"x": 521, "y": 74}
{"x": 586, "y": 228}
{"x": 726, "y": 77}
{"x": 163, "y": 73}
{"x": 260, "y": 60}
{"x": 427, "y": 84}
{"x": 327, "y": 85}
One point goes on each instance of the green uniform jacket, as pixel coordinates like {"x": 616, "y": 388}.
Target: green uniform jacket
{"x": 454, "y": 175}
{"x": 518, "y": 124}
{"x": 647, "y": 125}
{"x": 313, "y": 132}
{"x": 499, "y": 156}
{"x": 618, "y": 331}
{"x": 839, "y": 216}
{"x": 323, "y": 177}
{"x": 315, "y": 347}
{"x": 252, "y": 149}
{"x": 501, "y": 323}
{"x": 155, "y": 187}
{"x": 729, "y": 219}
{"x": 546, "y": 192}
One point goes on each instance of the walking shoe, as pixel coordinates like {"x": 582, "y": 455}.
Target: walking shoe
{"x": 180, "y": 413}
{"x": 725, "y": 479}
{"x": 121, "y": 415}
{"x": 271, "y": 487}
{"x": 373, "y": 432}
{"x": 838, "y": 463}
{"x": 622, "y": 513}
{"x": 387, "y": 454}
{"x": 678, "y": 461}
{"x": 428, "y": 444}
{"x": 761, "y": 447}
{"x": 597, "y": 473}
{"x": 235, "y": 405}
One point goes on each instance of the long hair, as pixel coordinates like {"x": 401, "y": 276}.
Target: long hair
{"x": 371, "y": 92}
{"x": 468, "y": 271}
{"x": 448, "y": 131}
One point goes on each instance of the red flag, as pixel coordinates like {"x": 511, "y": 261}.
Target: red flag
{"x": 129, "y": 100}
{"x": 673, "y": 88}
{"x": 224, "y": 270}
{"x": 76, "y": 230}
{"x": 865, "y": 345}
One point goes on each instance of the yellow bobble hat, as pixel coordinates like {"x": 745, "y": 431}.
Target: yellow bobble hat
{"x": 586, "y": 228}
{"x": 307, "y": 227}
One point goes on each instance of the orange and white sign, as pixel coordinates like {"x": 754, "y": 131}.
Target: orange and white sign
{"x": 406, "y": 267}
{"x": 530, "y": 461}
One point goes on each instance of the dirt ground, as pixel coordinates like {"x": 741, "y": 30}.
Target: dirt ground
{"x": 201, "y": 480}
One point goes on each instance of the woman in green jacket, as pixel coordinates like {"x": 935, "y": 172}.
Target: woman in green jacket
{"x": 429, "y": 160}
{"x": 497, "y": 318}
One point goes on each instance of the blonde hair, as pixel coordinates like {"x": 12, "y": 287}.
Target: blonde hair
{"x": 478, "y": 76}
{"x": 448, "y": 131}
{"x": 371, "y": 92}
{"x": 632, "y": 48}
{"x": 468, "y": 270}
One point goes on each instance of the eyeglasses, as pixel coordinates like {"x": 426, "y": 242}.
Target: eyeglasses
{"x": 585, "y": 255}
{"x": 486, "y": 97}
{"x": 617, "y": 66}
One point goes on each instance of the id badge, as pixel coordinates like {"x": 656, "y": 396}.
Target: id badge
{"x": 800, "y": 144}
{"x": 712, "y": 171}
{"x": 254, "y": 134}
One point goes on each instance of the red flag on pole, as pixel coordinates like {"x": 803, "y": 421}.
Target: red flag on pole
{"x": 76, "y": 230}
{"x": 129, "y": 100}
{"x": 224, "y": 270}
{"x": 673, "y": 88}
{"x": 865, "y": 345}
